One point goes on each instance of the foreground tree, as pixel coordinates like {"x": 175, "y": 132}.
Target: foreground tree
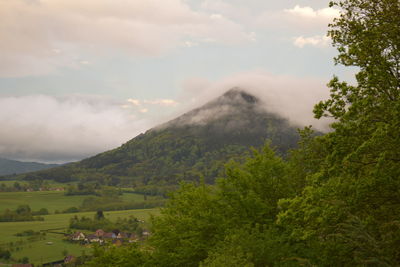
{"x": 349, "y": 212}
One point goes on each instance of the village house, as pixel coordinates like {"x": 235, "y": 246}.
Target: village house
{"x": 99, "y": 233}
{"x": 69, "y": 259}
{"x": 133, "y": 238}
{"x": 122, "y": 235}
{"x": 78, "y": 236}
{"x": 109, "y": 235}
{"x": 92, "y": 238}
{"x": 99, "y": 236}
{"x": 146, "y": 233}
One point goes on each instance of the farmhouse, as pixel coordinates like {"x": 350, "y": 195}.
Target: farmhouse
{"x": 69, "y": 259}
{"x": 78, "y": 236}
{"x": 122, "y": 235}
{"x": 109, "y": 235}
{"x": 92, "y": 238}
{"x": 99, "y": 233}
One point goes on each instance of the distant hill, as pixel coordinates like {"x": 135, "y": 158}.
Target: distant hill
{"x": 196, "y": 144}
{"x": 8, "y": 167}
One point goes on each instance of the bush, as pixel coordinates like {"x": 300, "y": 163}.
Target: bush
{"x": 71, "y": 210}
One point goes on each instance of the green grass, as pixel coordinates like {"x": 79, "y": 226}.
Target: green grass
{"x": 50, "y": 183}
{"x": 39, "y": 251}
{"x": 52, "y": 200}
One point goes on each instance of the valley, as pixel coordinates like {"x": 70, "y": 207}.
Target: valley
{"x": 51, "y": 245}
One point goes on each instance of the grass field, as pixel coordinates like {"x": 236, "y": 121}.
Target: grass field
{"x": 52, "y": 200}
{"x": 40, "y": 252}
{"x": 48, "y": 182}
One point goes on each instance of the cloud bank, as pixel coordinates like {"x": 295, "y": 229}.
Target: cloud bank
{"x": 40, "y": 36}
{"x": 61, "y": 129}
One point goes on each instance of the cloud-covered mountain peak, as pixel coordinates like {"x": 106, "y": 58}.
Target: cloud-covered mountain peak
{"x": 237, "y": 94}
{"x": 235, "y": 103}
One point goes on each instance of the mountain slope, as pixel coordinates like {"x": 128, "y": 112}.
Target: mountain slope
{"x": 193, "y": 145}
{"x": 8, "y": 167}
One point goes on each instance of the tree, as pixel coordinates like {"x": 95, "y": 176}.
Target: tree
{"x": 125, "y": 256}
{"x": 99, "y": 215}
{"x": 207, "y": 221}
{"x": 348, "y": 213}
{"x": 23, "y": 209}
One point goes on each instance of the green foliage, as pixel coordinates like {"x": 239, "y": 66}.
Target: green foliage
{"x": 130, "y": 224}
{"x": 82, "y": 189}
{"x": 188, "y": 227}
{"x": 126, "y": 256}
{"x": 199, "y": 220}
{"x": 71, "y": 210}
{"x": 5, "y": 254}
{"x": 22, "y": 213}
{"x": 28, "y": 233}
{"x": 42, "y": 211}
{"x": 348, "y": 214}
{"x": 107, "y": 204}
{"x": 85, "y": 223}
{"x": 12, "y": 167}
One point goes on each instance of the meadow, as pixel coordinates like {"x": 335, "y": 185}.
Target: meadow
{"x": 52, "y": 247}
{"x": 51, "y": 200}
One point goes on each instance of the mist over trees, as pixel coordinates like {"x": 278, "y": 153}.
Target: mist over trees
{"x": 334, "y": 202}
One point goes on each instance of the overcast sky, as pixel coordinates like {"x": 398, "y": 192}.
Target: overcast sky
{"x": 80, "y": 77}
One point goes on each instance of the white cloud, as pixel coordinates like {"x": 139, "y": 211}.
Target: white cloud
{"x": 317, "y": 41}
{"x": 133, "y": 101}
{"x": 162, "y": 102}
{"x": 302, "y": 11}
{"x": 38, "y": 37}
{"x": 189, "y": 44}
{"x": 309, "y": 12}
{"x": 158, "y": 102}
{"x": 45, "y": 128}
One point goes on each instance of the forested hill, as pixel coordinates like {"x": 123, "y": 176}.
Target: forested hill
{"x": 8, "y": 167}
{"x": 191, "y": 146}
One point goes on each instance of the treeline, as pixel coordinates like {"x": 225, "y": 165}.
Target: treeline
{"x": 109, "y": 199}
{"x": 32, "y": 185}
{"x": 335, "y": 201}
{"x": 90, "y": 204}
{"x": 22, "y": 213}
{"x": 130, "y": 224}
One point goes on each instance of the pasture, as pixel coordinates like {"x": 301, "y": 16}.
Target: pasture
{"x": 52, "y": 200}
{"x": 41, "y": 251}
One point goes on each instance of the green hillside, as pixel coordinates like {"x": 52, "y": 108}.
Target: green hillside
{"x": 196, "y": 144}
{"x": 8, "y": 167}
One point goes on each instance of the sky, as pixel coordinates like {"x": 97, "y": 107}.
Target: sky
{"x": 81, "y": 77}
